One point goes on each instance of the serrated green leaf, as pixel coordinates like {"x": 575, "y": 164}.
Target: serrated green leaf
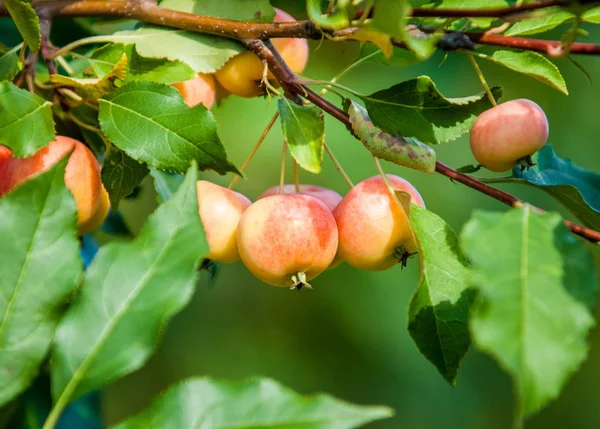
{"x": 407, "y": 152}
{"x": 415, "y": 108}
{"x": 528, "y": 63}
{"x": 40, "y": 265}
{"x": 202, "y": 52}
{"x": 27, "y": 21}
{"x": 129, "y": 292}
{"x": 256, "y": 403}
{"x": 121, "y": 175}
{"x": 546, "y": 20}
{"x": 26, "y": 122}
{"x": 439, "y": 309}
{"x": 152, "y": 124}
{"x": 165, "y": 184}
{"x": 160, "y": 70}
{"x": 592, "y": 15}
{"x": 526, "y": 315}
{"x": 304, "y": 130}
{"x": 91, "y": 88}
{"x": 576, "y": 188}
{"x": 390, "y": 17}
{"x": 239, "y": 10}
{"x": 10, "y": 66}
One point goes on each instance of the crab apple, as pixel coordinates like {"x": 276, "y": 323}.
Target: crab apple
{"x": 220, "y": 211}
{"x": 329, "y": 197}
{"x": 506, "y": 134}
{"x": 199, "y": 90}
{"x": 82, "y": 174}
{"x": 373, "y": 230}
{"x": 242, "y": 75}
{"x": 99, "y": 215}
{"x": 287, "y": 240}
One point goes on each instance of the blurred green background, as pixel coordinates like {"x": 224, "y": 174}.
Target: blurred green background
{"x": 349, "y": 336}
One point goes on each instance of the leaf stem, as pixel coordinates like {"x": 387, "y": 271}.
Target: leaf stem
{"x": 255, "y": 148}
{"x": 77, "y": 43}
{"x": 337, "y": 164}
{"x": 282, "y": 169}
{"x": 482, "y": 80}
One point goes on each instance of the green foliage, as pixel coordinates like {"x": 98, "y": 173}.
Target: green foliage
{"x": 241, "y": 10}
{"x": 26, "y": 122}
{"x": 304, "y": 131}
{"x": 439, "y": 309}
{"x": 415, "y": 108}
{"x": 390, "y": 17}
{"x": 253, "y": 403}
{"x": 121, "y": 174}
{"x": 37, "y": 231}
{"x": 10, "y": 65}
{"x": 407, "y": 152}
{"x": 529, "y": 312}
{"x": 113, "y": 326}
{"x": 27, "y": 21}
{"x": 150, "y": 122}
{"x": 528, "y": 63}
{"x": 160, "y": 70}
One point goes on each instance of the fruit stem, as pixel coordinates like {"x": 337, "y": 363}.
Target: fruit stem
{"x": 282, "y": 170}
{"x": 482, "y": 80}
{"x": 255, "y": 148}
{"x": 338, "y": 166}
{"x": 296, "y": 178}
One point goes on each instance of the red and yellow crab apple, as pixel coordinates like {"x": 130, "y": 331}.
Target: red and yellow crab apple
{"x": 329, "y": 197}
{"x": 373, "y": 230}
{"x": 506, "y": 134}
{"x": 287, "y": 240}
{"x": 199, "y": 90}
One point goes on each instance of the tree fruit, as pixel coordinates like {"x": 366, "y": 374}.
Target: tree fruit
{"x": 287, "y": 240}
{"x": 374, "y": 233}
{"x": 508, "y": 133}
{"x": 220, "y": 211}
{"x": 99, "y": 215}
{"x": 199, "y": 90}
{"x": 242, "y": 75}
{"x": 82, "y": 174}
{"x": 329, "y": 197}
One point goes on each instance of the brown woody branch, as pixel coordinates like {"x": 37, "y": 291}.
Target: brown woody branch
{"x": 286, "y": 77}
{"x": 149, "y": 12}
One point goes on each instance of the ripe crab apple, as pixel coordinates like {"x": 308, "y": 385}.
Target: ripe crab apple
{"x": 199, "y": 90}
{"x": 287, "y": 240}
{"x": 329, "y": 197}
{"x": 220, "y": 211}
{"x": 508, "y": 134}
{"x": 373, "y": 231}
{"x": 82, "y": 174}
{"x": 99, "y": 215}
{"x": 242, "y": 75}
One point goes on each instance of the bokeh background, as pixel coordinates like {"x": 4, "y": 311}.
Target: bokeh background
{"x": 349, "y": 336}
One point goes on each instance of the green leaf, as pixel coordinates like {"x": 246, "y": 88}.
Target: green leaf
{"x": 407, "y": 152}
{"x": 576, "y": 188}
{"x": 128, "y": 294}
{"x": 415, "y": 108}
{"x": 240, "y": 10}
{"x": 27, "y": 21}
{"x": 390, "y": 17}
{"x": 256, "y": 403}
{"x": 165, "y": 184}
{"x": 526, "y": 314}
{"x": 439, "y": 309}
{"x": 528, "y": 63}
{"x": 121, "y": 175}
{"x": 474, "y": 4}
{"x": 10, "y": 66}
{"x": 202, "y": 52}
{"x": 40, "y": 266}
{"x": 545, "y": 21}
{"x": 592, "y": 15}
{"x": 26, "y": 122}
{"x": 94, "y": 88}
{"x": 304, "y": 131}
{"x": 160, "y": 70}
{"x": 151, "y": 123}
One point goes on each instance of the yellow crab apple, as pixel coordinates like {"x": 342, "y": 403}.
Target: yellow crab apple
{"x": 373, "y": 230}
{"x": 329, "y": 197}
{"x": 220, "y": 211}
{"x": 287, "y": 240}
{"x": 508, "y": 134}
